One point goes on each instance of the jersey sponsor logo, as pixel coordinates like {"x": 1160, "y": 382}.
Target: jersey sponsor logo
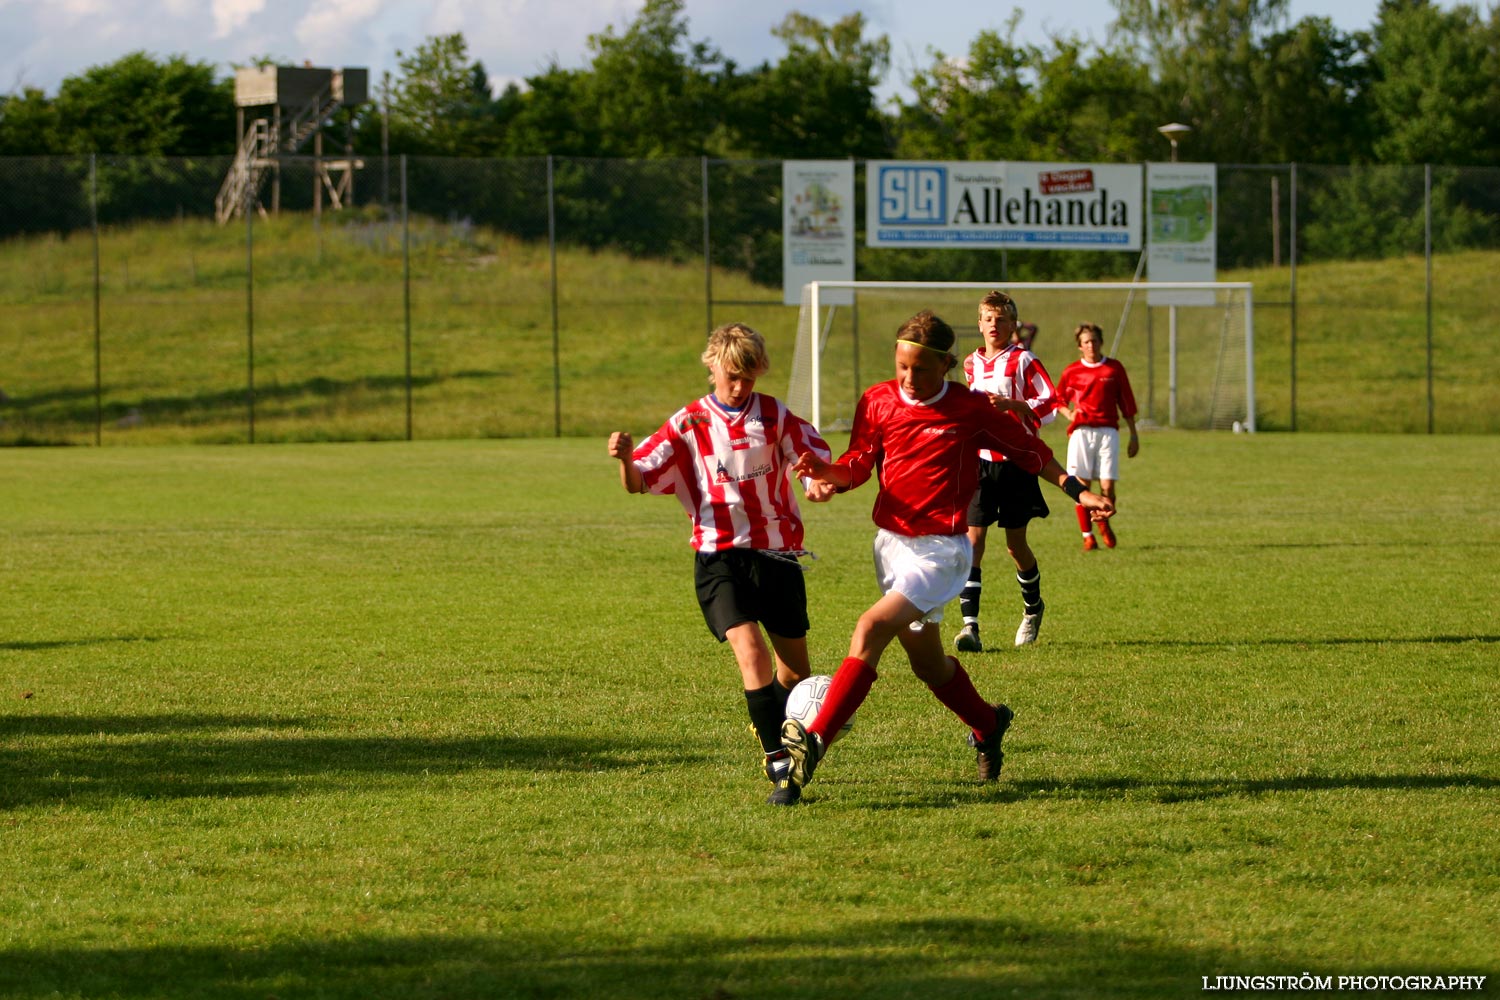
{"x": 693, "y": 420}
{"x": 941, "y": 431}
{"x": 722, "y": 474}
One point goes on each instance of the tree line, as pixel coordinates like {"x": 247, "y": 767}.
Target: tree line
{"x": 1420, "y": 85}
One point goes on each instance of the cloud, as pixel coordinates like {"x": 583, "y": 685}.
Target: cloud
{"x": 232, "y": 15}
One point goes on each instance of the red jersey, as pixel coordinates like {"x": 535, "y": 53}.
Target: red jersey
{"x": 730, "y": 470}
{"x": 1014, "y": 373}
{"x": 1099, "y": 392}
{"x": 927, "y": 454}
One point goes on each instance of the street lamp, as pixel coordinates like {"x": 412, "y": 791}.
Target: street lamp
{"x": 1173, "y": 132}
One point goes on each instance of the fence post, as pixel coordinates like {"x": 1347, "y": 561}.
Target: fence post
{"x": 708, "y": 261}
{"x": 406, "y": 288}
{"x": 1427, "y": 253}
{"x": 98, "y": 363}
{"x": 1293, "y": 293}
{"x": 556, "y": 353}
{"x": 250, "y": 308}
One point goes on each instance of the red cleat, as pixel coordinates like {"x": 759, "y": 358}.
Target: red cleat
{"x": 1107, "y": 534}
{"x": 1089, "y": 544}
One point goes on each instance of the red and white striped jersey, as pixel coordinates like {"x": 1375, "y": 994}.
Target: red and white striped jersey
{"x": 1100, "y": 392}
{"x": 731, "y": 471}
{"x": 1014, "y": 373}
{"x": 927, "y": 457}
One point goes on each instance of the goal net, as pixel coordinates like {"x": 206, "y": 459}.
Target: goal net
{"x": 1190, "y": 366}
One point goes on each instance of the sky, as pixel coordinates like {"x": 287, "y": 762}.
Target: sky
{"x": 42, "y": 42}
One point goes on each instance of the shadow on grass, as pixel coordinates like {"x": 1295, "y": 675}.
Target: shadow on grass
{"x": 1164, "y": 790}
{"x": 931, "y": 959}
{"x": 76, "y": 405}
{"x": 21, "y": 646}
{"x": 1418, "y": 640}
{"x": 186, "y": 756}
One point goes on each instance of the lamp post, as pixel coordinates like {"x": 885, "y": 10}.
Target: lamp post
{"x": 1172, "y": 132}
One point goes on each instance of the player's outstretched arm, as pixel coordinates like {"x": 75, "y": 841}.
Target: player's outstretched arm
{"x": 1099, "y": 507}
{"x": 821, "y": 470}
{"x": 622, "y": 446}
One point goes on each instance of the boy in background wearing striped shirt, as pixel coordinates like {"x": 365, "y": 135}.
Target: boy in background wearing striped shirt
{"x": 727, "y": 457}
{"x": 1016, "y": 382}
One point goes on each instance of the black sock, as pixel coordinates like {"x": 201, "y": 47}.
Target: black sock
{"x": 766, "y": 715}
{"x": 1031, "y": 588}
{"x": 968, "y": 598}
{"x": 782, "y": 694}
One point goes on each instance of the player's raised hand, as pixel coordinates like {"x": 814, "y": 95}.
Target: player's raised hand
{"x": 811, "y": 466}
{"x": 621, "y": 445}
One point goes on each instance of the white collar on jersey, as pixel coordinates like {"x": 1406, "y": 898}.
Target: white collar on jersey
{"x": 930, "y": 400}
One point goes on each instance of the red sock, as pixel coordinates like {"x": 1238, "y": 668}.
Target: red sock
{"x": 963, "y": 701}
{"x": 1085, "y": 525}
{"x": 851, "y": 684}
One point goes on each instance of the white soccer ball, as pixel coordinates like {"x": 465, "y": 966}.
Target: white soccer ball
{"x": 807, "y": 697}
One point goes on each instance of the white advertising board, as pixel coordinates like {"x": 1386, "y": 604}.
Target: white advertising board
{"x": 817, "y": 236}
{"x": 1181, "y": 202}
{"x": 1004, "y": 205}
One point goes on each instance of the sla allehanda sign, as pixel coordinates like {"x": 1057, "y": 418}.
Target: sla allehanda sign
{"x": 1039, "y": 206}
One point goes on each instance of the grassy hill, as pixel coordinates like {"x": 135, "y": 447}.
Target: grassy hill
{"x": 323, "y": 336}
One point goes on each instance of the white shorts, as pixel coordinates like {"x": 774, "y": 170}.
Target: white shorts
{"x": 928, "y": 570}
{"x": 1094, "y": 453}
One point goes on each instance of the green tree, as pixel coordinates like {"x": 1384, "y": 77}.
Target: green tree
{"x": 141, "y": 107}
{"x": 28, "y": 124}
{"x": 818, "y": 100}
{"x": 441, "y": 104}
{"x": 1205, "y": 55}
{"x": 1436, "y": 87}
{"x": 1313, "y": 82}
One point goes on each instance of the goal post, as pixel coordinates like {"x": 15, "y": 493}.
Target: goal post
{"x": 1190, "y": 366}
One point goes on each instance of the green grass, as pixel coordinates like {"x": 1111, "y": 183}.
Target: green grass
{"x": 442, "y": 720}
{"x": 330, "y": 353}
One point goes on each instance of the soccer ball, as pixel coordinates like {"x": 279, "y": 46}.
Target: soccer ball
{"x": 807, "y": 697}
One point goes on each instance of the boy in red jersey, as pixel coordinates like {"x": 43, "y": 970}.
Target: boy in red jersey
{"x": 1016, "y": 382}
{"x": 727, "y": 457}
{"x": 1100, "y": 393}
{"x": 921, "y": 434}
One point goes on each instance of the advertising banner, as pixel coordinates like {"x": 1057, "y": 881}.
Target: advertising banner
{"x": 817, "y": 236}
{"x": 1037, "y": 206}
{"x": 1181, "y": 200}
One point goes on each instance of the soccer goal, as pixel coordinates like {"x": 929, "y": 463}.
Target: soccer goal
{"x": 1190, "y": 365}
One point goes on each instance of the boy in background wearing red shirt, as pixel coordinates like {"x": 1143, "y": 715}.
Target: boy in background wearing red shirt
{"x": 727, "y": 457}
{"x": 921, "y": 434}
{"x": 1100, "y": 392}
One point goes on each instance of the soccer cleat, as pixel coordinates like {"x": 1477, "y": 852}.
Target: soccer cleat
{"x": 1031, "y": 626}
{"x": 805, "y": 748}
{"x": 987, "y": 753}
{"x": 1106, "y": 534}
{"x": 778, "y": 765}
{"x": 967, "y": 640}
{"x": 1089, "y": 543}
{"x": 784, "y": 794}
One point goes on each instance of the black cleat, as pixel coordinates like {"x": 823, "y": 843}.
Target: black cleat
{"x": 806, "y": 750}
{"x": 987, "y": 753}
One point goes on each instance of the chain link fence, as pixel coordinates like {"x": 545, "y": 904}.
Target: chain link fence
{"x": 428, "y": 297}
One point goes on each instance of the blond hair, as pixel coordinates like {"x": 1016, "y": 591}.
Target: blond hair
{"x": 1000, "y": 302}
{"x": 737, "y": 350}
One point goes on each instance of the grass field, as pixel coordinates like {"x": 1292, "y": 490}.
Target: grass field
{"x": 442, "y": 720}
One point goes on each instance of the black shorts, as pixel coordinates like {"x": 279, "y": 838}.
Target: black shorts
{"x": 743, "y": 585}
{"x": 1007, "y": 495}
